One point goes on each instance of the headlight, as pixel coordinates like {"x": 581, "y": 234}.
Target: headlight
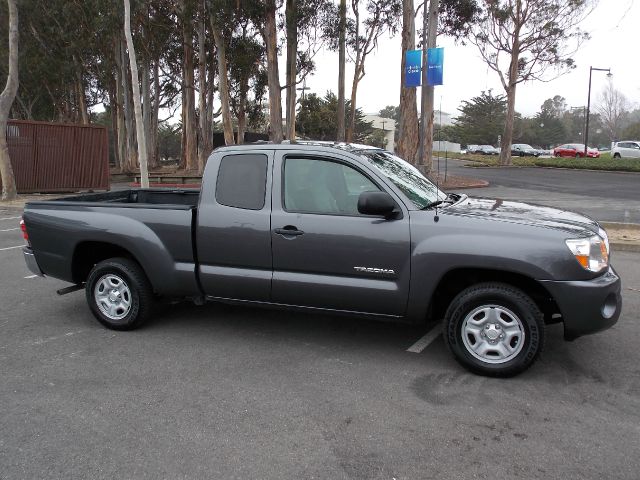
{"x": 591, "y": 252}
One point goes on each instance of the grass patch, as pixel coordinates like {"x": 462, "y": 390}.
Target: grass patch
{"x": 605, "y": 162}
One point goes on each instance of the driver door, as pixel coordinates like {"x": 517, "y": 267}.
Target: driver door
{"x": 326, "y": 254}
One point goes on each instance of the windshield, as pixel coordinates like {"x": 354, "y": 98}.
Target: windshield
{"x": 404, "y": 176}
{"x": 525, "y": 146}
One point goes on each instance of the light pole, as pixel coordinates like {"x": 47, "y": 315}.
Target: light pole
{"x": 586, "y": 127}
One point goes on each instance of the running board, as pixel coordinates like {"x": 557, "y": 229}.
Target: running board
{"x": 71, "y": 289}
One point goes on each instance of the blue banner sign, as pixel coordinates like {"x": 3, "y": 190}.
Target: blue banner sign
{"x": 413, "y": 68}
{"x": 435, "y": 60}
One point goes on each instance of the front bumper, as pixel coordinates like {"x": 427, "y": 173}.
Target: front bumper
{"x": 587, "y": 306}
{"x": 30, "y": 260}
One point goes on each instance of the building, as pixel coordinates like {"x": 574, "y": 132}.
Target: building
{"x": 387, "y": 125}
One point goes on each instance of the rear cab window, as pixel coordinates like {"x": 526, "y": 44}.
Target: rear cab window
{"x": 242, "y": 181}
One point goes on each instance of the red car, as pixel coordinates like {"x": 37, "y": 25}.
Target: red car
{"x": 574, "y": 150}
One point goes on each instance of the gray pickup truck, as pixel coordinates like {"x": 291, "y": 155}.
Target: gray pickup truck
{"x": 336, "y": 228}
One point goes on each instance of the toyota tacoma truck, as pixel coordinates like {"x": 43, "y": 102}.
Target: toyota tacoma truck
{"x": 336, "y": 228}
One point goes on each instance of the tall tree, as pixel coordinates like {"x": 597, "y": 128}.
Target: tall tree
{"x": 613, "y": 108}
{"x": 270, "y": 35}
{"x": 382, "y": 17}
{"x": 407, "y": 147}
{"x": 189, "y": 159}
{"x": 342, "y": 65}
{"x": 7, "y": 96}
{"x": 522, "y": 40}
{"x": 137, "y": 104}
{"x": 291, "y": 22}
{"x": 481, "y": 119}
{"x": 221, "y": 33}
{"x": 429, "y": 34}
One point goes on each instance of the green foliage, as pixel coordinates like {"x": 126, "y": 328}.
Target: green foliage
{"x": 390, "y": 111}
{"x": 317, "y": 119}
{"x": 481, "y": 119}
{"x": 632, "y": 132}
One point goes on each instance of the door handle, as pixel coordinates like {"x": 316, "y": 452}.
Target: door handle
{"x": 289, "y": 230}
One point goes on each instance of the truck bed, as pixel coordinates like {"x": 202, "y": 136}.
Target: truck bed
{"x": 151, "y": 198}
{"x": 154, "y": 226}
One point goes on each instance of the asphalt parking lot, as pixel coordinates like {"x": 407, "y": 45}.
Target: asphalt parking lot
{"x": 231, "y": 392}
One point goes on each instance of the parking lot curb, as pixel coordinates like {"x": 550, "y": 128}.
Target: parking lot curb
{"x": 620, "y": 244}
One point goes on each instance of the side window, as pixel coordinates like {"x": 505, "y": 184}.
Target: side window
{"x": 242, "y": 181}
{"x": 322, "y": 186}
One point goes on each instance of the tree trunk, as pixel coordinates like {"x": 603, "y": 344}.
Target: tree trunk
{"x": 275, "y": 100}
{"x": 131, "y": 151}
{"x": 356, "y": 73}
{"x": 210, "y": 90}
{"x": 426, "y": 155}
{"x": 119, "y": 103}
{"x": 147, "y": 111}
{"x": 408, "y": 136}
{"x": 82, "y": 99}
{"x": 505, "y": 144}
{"x": 223, "y": 83}
{"x": 352, "y": 106}
{"x": 292, "y": 57}
{"x": 189, "y": 127}
{"x": 341, "y": 70}
{"x": 142, "y": 142}
{"x": 204, "y": 146}
{"x": 155, "y": 111}
{"x": 242, "y": 114}
{"x": 9, "y": 191}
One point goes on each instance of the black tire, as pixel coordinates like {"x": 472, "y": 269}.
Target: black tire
{"x": 512, "y": 300}
{"x": 578, "y": 155}
{"x": 522, "y": 154}
{"x": 140, "y": 294}
{"x": 617, "y": 155}
{"x": 557, "y": 155}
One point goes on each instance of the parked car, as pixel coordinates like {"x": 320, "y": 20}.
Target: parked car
{"x": 487, "y": 150}
{"x": 335, "y": 228}
{"x": 575, "y": 150}
{"x": 523, "y": 150}
{"x": 626, "y": 149}
{"x": 472, "y": 148}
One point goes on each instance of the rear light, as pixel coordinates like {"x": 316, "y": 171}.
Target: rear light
{"x": 25, "y": 235}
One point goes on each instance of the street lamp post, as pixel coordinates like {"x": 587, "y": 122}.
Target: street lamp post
{"x": 586, "y": 127}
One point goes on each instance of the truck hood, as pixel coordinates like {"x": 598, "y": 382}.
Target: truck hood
{"x": 524, "y": 213}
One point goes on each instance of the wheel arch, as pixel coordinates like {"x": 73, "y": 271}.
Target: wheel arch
{"x": 457, "y": 279}
{"x": 89, "y": 253}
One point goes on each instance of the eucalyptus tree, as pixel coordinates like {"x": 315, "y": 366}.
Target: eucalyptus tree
{"x": 7, "y": 96}
{"x": 527, "y": 40}
{"x": 381, "y": 17}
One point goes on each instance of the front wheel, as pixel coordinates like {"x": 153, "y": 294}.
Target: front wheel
{"x": 119, "y": 294}
{"x": 494, "y": 329}
{"x": 616, "y": 155}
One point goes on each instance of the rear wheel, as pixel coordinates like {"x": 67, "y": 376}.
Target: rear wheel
{"x": 578, "y": 155}
{"x": 617, "y": 155}
{"x": 494, "y": 329}
{"x": 119, "y": 294}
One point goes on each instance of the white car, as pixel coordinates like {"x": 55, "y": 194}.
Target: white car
{"x": 626, "y": 149}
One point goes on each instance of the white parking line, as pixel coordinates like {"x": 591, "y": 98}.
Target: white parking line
{"x": 9, "y": 229}
{"x": 11, "y": 248}
{"x": 426, "y": 340}
{"x": 9, "y": 218}
{"x": 31, "y": 276}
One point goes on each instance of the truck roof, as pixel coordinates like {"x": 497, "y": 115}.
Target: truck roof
{"x": 304, "y": 144}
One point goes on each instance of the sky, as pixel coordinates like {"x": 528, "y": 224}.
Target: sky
{"x": 614, "y": 26}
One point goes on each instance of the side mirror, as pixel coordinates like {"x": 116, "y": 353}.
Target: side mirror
{"x": 376, "y": 203}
